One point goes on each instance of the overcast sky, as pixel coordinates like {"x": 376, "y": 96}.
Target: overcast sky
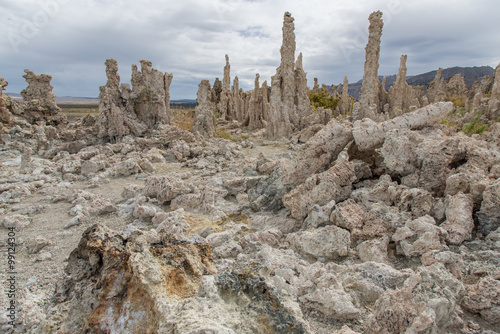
{"x": 70, "y": 40}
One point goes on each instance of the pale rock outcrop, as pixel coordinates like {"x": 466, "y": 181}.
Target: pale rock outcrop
{"x": 489, "y": 215}
{"x": 315, "y": 156}
{"x": 40, "y": 100}
{"x": 124, "y": 111}
{"x": 369, "y": 135}
{"x": 5, "y": 114}
{"x": 436, "y": 91}
{"x": 345, "y": 100}
{"x": 419, "y": 236}
{"x": 150, "y": 94}
{"x": 289, "y": 100}
{"x": 330, "y": 242}
{"x": 141, "y": 280}
{"x": 165, "y": 188}
{"x": 426, "y": 303}
{"x": 333, "y": 184}
{"x": 368, "y": 105}
{"x": 39, "y": 92}
{"x": 315, "y": 86}
{"x": 237, "y": 102}
{"x": 319, "y": 152}
{"x": 456, "y": 87}
{"x": 257, "y": 105}
{"x": 399, "y": 153}
{"x": 401, "y": 96}
{"x": 374, "y": 250}
{"x": 494, "y": 102}
{"x": 225, "y": 96}
{"x": 204, "y": 123}
{"x": 459, "y": 223}
{"x": 484, "y": 298}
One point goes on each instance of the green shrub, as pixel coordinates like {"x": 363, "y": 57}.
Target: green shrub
{"x": 449, "y": 123}
{"x": 323, "y": 99}
{"x": 474, "y": 127}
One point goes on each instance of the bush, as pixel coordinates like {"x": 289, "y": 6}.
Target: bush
{"x": 474, "y": 127}
{"x": 323, "y": 99}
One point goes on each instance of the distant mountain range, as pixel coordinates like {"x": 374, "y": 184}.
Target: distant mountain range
{"x": 470, "y": 75}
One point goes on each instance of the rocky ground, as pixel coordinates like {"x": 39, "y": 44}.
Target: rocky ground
{"x": 366, "y": 227}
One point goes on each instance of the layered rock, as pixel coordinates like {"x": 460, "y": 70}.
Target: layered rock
{"x": 289, "y": 100}
{"x": 368, "y": 106}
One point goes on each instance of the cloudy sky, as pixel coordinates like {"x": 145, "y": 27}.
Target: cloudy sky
{"x": 70, "y": 40}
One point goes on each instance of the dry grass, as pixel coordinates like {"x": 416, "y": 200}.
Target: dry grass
{"x": 183, "y": 118}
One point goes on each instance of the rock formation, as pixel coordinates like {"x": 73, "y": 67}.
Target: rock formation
{"x": 204, "y": 123}
{"x": 368, "y": 105}
{"x": 39, "y": 92}
{"x": 289, "y": 100}
{"x": 4, "y": 112}
{"x": 436, "y": 91}
{"x": 226, "y": 80}
{"x": 258, "y": 106}
{"x": 143, "y": 108}
{"x": 150, "y": 95}
{"x": 401, "y": 96}
{"x": 369, "y": 134}
{"x": 345, "y": 101}
{"x": 494, "y": 102}
{"x": 40, "y": 100}
{"x": 237, "y": 102}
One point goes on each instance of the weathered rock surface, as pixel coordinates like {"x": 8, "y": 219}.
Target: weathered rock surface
{"x": 156, "y": 284}
{"x": 204, "y": 123}
{"x": 40, "y": 100}
{"x": 289, "y": 100}
{"x": 369, "y": 134}
{"x": 124, "y": 111}
{"x": 368, "y": 106}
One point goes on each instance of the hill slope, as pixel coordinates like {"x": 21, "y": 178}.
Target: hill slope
{"x": 470, "y": 75}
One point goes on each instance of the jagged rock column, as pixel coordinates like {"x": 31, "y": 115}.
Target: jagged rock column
{"x": 40, "y": 101}
{"x": 237, "y": 104}
{"x": 150, "y": 94}
{"x": 494, "y": 103}
{"x": 123, "y": 110}
{"x": 110, "y": 123}
{"x": 4, "y": 112}
{"x": 401, "y": 95}
{"x": 39, "y": 92}
{"x": 436, "y": 91}
{"x": 368, "y": 105}
{"x": 204, "y": 123}
{"x": 303, "y": 104}
{"x": 345, "y": 100}
{"x": 226, "y": 80}
{"x": 225, "y": 96}
{"x": 289, "y": 100}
